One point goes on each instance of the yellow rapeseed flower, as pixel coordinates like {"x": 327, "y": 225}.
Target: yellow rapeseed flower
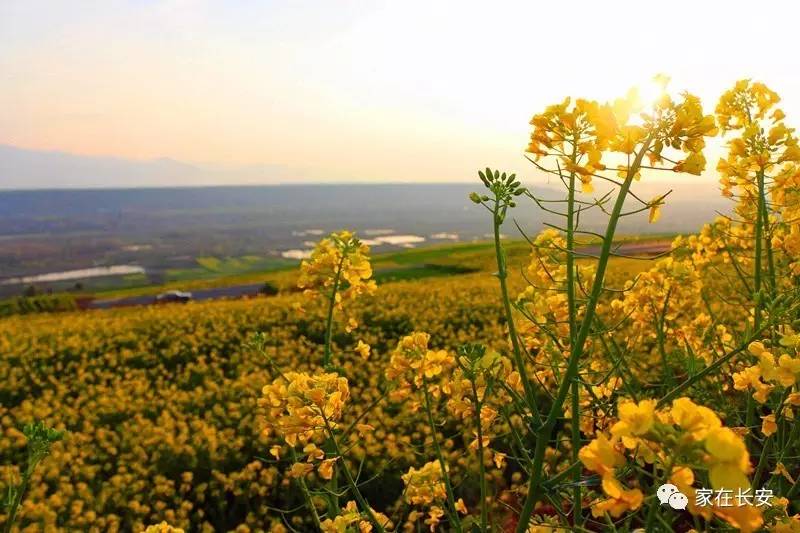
{"x": 696, "y": 419}
{"x": 363, "y": 349}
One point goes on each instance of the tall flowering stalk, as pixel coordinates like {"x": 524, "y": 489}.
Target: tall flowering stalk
{"x": 481, "y": 386}
{"x": 304, "y": 409}
{"x": 761, "y": 173}
{"x": 415, "y": 368}
{"x": 575, "y": 138}
{"x": 339, "y": 271}
{"x": 761, "y": 243}
{"x": 39, "y": 441}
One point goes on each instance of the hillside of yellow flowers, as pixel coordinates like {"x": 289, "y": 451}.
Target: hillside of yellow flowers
{"x": 560, "y": 389}
{"x": 160, "y": 402}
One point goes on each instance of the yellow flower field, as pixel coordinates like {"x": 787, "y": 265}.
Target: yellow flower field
{"x": 565, "y": 390}
{"x": 160, "y": 402}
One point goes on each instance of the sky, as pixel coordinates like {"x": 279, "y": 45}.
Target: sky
{"x": 372, "y": 91}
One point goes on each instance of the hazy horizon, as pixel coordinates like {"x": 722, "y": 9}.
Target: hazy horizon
{"x": 58, "y": 171}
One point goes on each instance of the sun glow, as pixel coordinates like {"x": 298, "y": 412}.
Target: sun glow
{"x": 245, "y": 84}
{"x": 648, "y": 94}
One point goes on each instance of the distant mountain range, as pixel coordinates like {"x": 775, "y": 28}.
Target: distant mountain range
{"x": 22, "y": 168}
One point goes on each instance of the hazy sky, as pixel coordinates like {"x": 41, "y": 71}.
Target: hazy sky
{"x": 385, "y": 91}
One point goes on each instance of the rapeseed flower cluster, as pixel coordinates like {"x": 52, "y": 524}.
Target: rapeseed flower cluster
{"x": 339, "y": 264}
{"x": 678, "y": 442}
{"x": 351, "y": 520}
{"x": 413, "y": 365}
{"x": 771, "y": 373}
{"x": 580, "y": 134}
{"x": 299, "y": 406}
{"x": 425, "y": 488}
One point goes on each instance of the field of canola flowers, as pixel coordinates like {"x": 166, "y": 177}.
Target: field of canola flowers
{"x": 160, "y": 402}
{"x": 553, "y": 392}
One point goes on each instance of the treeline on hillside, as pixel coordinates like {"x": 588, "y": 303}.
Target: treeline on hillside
{"x": 43, "y": 303}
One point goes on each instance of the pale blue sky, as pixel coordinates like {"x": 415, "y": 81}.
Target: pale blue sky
{"x": 340, "y": 90}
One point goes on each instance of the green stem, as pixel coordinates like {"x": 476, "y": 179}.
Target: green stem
{"x": 481, "y": 466}
{"x": 651, "y": 514}
{"x": 451, "y": 502}
{"x": 762, "y": 461}
{"x": 362, "y": 503}
{"x": 326, "y": 360}
{"x": 307, "y": 496}
{"x": 517, "y": 439}
{"x": 769, "y": 442}
{"x": 709, "y": 369}
{"x": 794, "y": 437}
{"x": 553, "y": 481}
{"x": 757, "y": 299}
{"x": 546, "y": 432}
{"x": 576, "y": 445}
{"x": 502, "y": 274}
{"x": 764, "y": 213}
{"x": 661, "y": 319}
{"x": 572, "y": 312}
{"x": 793, "y": 490}
{"x": 18, "y": 494}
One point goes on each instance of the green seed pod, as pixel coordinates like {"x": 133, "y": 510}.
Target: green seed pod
{"x": 475, "y": 197}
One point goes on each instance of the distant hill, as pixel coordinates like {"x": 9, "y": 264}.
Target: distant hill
{"x": 22, "y": 168}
